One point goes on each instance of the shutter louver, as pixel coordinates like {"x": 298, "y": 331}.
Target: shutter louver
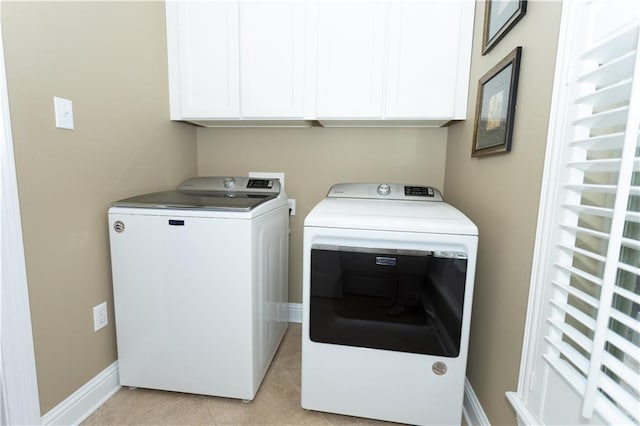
{"x": 594, "y": 327}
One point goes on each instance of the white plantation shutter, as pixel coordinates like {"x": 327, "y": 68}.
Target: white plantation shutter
{"x": 588, "y": 317}
{"x": 592, "y": 338}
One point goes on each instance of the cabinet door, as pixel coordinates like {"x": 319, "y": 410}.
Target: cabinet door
{"x": 351, "y": 36}
{"x": 272, "y": 58}
{"x": 423, "y": 68}
{"x": 207, "y": 45}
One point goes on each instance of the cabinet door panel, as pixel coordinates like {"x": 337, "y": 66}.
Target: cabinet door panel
{"x": 272, "y": 58}
{"x": 208, "y": 59}
{"x": 342, "y": 60}
{"x": 423, "y": 59}
{"x": 351, "y": 37}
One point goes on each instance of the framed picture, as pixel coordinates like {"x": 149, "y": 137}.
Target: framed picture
{"x": 496, "y": 105}
{"x": 499, "y": 18}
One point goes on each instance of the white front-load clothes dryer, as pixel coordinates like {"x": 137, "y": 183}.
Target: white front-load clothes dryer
{"x": 200, "y": 282}
{"x": 388, "y": 274}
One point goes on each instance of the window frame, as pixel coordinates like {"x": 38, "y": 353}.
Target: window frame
{"x": 574, "y": 27}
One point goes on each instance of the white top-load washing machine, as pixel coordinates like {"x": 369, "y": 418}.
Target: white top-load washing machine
{"x": 387, "y": 291}
{"x": 200, "y": 282}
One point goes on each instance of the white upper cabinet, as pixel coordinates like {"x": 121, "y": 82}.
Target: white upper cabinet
{"x": 351, "y": 39}
{"x": 405, "y": 62}
{"x": 272, "y": 59}
{"x": 342, "y": 62}
{"x": 203, "y": 59}
{"x": 231, "y": 59}
{"x": 428, "y": 59}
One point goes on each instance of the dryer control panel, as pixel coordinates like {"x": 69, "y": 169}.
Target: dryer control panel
{"x": 388, "y": 191}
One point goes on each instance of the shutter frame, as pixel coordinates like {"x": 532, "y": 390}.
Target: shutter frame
{"x": 574, "y": 152}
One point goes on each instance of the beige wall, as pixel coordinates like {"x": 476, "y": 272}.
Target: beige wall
{"x": 313, "y": 159}
{"x": 501, "y": 194}
{"x": 109, "y": 58}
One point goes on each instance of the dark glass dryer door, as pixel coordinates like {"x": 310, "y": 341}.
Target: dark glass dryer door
{"x": 399, "y": 300}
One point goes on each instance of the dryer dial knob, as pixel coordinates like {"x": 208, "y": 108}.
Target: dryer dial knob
{"x": 384, "y": 189}
{"x": 228, "y": 182}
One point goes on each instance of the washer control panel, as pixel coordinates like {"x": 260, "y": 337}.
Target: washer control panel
{"x": 389, "y": 191}
{"x": 230, "y": 184}
{"x": 260, "y": 183}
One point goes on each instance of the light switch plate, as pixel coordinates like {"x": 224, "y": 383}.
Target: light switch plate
{"x": 64, "y": 113}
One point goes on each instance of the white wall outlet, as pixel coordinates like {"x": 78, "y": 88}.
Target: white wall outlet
{"x": 100, "y": 318}
{"x": 266, "y": 175}
{"x": 63, "y": 109}
{"x": 292, "y": 206}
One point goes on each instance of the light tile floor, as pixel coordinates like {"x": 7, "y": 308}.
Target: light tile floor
{"x": 277, "y": 401}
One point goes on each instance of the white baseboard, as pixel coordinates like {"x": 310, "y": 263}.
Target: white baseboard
{"x": 82, "y": 403}
{"x": 295, "y": 312}
{"x": 472, "y": 410}
{"x": 79, "y": 405}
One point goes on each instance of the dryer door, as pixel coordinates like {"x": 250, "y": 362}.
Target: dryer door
{"x": 399, "y": 300}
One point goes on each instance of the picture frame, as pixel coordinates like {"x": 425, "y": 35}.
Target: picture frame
{"x": 499, "y": 17}
{"x": 495, "y": 107}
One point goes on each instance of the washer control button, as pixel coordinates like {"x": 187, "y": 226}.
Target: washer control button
{"x": 384, "y": 189}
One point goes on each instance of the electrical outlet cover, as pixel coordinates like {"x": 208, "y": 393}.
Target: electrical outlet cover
{"x": 100, "y": 318}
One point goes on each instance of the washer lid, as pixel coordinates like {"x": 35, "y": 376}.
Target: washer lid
{"x": 210, "y": 193}
{"x": 180, "y": 200}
